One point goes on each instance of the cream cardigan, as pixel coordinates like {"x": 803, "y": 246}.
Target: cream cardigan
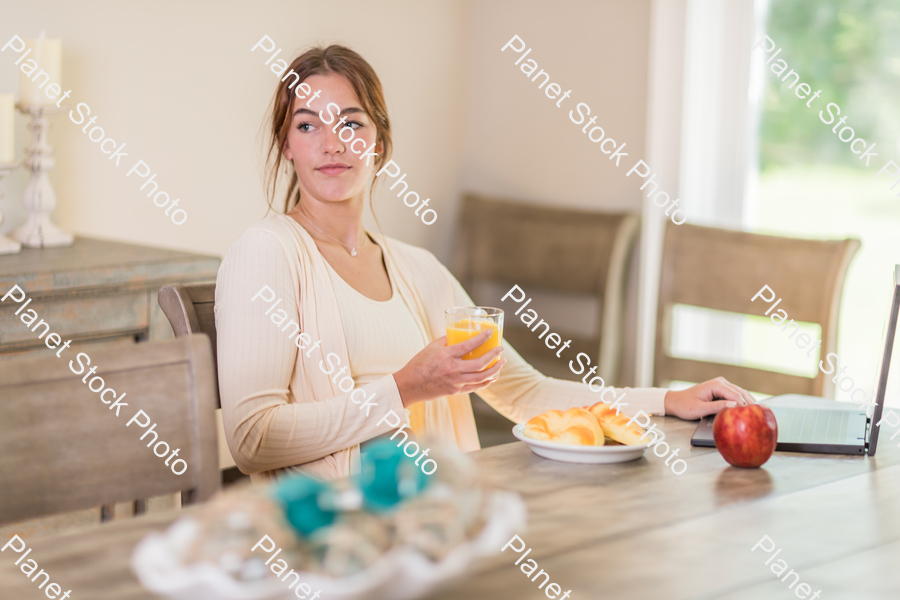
{"x": 281, "y": 411}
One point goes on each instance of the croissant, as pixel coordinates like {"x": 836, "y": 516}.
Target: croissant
{"x": 615, "y": 426}
{"x": 574, "y": 426}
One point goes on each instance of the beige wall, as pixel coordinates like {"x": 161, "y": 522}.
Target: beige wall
{"x": 518, "y": 143}
{"x": 177, "y": 82}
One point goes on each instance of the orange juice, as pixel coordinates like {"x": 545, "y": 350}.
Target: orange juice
{"x": 464, "y": 329}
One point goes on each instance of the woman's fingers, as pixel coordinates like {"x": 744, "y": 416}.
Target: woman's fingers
{"x": 480, "y": 377}
{"x": 457, "y": 350}
{"x": 475, "y": 387}
{"x": 439, "y": 369}
{"x": 474, "y": 365}
{"x": 719, "y": 388}
{"x": 713, "y": 408}
{"x": 744, "y": 395}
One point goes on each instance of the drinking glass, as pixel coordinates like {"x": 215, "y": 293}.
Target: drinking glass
{"x": 464, "y": 322}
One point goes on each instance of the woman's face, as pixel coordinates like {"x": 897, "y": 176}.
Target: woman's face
{"x": 326, "y": 168}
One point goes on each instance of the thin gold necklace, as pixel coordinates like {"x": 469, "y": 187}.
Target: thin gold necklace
{"x": 351, "y": 250}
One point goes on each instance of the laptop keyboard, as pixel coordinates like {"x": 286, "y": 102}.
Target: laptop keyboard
{"x": 811, "y": 426}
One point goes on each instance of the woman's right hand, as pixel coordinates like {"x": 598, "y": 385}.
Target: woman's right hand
{"x": 439, "y": 370}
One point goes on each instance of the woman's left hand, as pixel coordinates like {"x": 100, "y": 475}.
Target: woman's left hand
{"x": 707, "y": 398}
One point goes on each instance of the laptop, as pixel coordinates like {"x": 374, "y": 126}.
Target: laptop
{"x": 819, "y": 425}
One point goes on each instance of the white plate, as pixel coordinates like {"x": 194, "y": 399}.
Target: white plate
{"x": 581, "y": 454}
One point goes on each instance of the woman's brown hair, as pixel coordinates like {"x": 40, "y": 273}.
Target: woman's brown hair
{"x": 321, "y": 61}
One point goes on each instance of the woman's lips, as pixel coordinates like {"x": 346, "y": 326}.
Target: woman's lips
{"x": 333, "y": 169}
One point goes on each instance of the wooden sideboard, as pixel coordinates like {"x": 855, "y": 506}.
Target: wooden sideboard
{"x": 94, "y": 292}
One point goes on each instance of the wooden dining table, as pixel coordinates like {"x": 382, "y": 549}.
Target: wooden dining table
{"x": 629, "y": 531}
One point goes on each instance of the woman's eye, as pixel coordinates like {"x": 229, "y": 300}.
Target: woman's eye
{"x": 305, "y": 127}
{"x": 353, "y": 124}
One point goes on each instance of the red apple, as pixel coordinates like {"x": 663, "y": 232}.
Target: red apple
{"x": 746, "y": 435}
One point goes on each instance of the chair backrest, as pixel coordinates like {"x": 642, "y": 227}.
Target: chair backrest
{"x": 563, "y": 250}
{"x": 62, "y": 448}
{"x": 190, "y": 309}
{"x": 723, "y": 269}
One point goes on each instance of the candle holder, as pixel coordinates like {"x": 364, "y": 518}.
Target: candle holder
{"x": 7, "y": 246}
{"x": 39, "y": 198}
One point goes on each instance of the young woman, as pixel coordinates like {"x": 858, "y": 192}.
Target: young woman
{"x": 370, "y": 308}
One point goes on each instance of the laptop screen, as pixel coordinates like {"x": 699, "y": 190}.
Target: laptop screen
{"x": 881, "y": 379}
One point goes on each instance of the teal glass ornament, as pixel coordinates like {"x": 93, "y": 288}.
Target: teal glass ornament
{"x": 388, "y": 476}
{"x": 305, "y": 503}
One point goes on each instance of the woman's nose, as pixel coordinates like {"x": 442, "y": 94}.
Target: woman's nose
{"x": 333, "y": 143}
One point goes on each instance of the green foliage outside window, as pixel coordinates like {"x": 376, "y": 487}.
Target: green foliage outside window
{"x": 849, "y": 49}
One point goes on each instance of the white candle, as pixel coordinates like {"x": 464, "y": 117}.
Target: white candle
{"x": 46, "y": 56}
{"x": 7, "y": 128}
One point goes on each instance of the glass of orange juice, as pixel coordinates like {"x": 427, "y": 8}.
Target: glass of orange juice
{"x": 464, "y": 322}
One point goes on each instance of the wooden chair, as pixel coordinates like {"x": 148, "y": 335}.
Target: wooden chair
{"x": 62, "y": 449}
{"x": 539, "y": 247}
{"x": 190, "y": 309}
{"x": 723, "y": 269}
{"x": 562, "y": 250}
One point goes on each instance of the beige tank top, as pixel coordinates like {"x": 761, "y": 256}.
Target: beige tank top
{"x": 381, "y": 336}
